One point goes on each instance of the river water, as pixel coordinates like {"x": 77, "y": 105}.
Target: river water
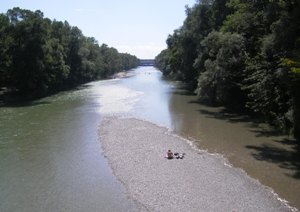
{"x": 50, "y": 154}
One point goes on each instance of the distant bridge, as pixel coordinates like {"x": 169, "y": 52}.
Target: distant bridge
{"x": 147, "y": 62}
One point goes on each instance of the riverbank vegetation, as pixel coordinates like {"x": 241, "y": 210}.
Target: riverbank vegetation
{"x": 39, "y": 56}
{"x": 242, "y": 54}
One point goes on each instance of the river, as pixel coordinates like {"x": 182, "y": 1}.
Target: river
{"x": 50, "y": 154}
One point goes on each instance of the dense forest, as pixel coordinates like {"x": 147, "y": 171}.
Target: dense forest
{"x": 244, "y": 54}
{"x": 39, "y": 56}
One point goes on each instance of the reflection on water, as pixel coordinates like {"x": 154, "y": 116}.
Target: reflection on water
{"x": 261, "y": 152}
{"x": 50, "y": 156}
{"x": 153, "y": 104}
{"x": 116, "y": 99}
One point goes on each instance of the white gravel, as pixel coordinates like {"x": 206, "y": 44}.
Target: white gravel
{"x": 200, "y": 182}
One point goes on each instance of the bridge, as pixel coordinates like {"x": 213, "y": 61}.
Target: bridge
{"x": 147, "y": 62}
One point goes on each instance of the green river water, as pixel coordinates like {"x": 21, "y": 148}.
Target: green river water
{"x": 50, "y": 153}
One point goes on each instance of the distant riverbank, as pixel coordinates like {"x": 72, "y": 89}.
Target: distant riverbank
{"x": 199, "y": 182}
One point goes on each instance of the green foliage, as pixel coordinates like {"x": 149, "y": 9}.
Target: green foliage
{"x": 39, "y": 56}
{"x": 30, "y": 34}
{"x": 222, "y": 75}
{"x": 268, "y": 91}
{"x": 5, "y": 47}
{"x": 244, "y": 54}
{"x": 129, "y": 61}
{"x": 161, "y": 61}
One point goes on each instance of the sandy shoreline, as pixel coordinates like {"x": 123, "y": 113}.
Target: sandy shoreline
{"x": 200, "y": 182}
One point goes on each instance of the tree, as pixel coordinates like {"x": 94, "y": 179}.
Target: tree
{"x": 221, "y": 80}
{"x": 128, "y": 61}
{"x": 30, "y": 36}
{"x": 5, "y": 48}
{"x": 112, "y": 60}
{"x": 161, "y": 61}
{"x": 40, "y": 56}
{"x": 241, "y": 56}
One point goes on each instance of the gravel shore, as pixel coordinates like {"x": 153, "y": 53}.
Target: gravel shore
{"x": 199, "y": 182}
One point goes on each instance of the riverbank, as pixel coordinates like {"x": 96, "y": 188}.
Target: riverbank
{"x": 13, "y": 97}
{"x": 199, "y": 182}
{"x": 119, "y": 75}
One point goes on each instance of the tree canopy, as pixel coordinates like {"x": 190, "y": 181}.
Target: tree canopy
{"x": 39, "y": 56}
{"x": 243, "y": 54}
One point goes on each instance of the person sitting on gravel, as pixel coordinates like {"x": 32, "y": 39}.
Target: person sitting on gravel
{"x": 170, "y": 154}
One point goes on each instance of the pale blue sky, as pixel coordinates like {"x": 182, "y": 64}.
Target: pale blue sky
{"x": 139, "y": 27}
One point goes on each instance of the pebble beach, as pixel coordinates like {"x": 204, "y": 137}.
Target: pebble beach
{"x": 200, "y": 181}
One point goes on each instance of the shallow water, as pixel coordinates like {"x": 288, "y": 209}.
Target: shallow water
{"x": 50, "y": 155}
{"x": 272, "y": 159}
{"x": 261, "y": 152}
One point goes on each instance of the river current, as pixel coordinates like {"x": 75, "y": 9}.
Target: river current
{"x": 50, "y": 153}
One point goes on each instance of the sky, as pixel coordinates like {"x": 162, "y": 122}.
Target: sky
{"x": 137, "y": 27}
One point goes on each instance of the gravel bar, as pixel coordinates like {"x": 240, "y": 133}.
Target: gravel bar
{"x": 200, "y": 181}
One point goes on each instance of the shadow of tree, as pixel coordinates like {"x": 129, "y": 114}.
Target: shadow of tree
{"x": 287, "y": 158}
{"x": 26, "y": 100}
{"x": 227, "y": 115}
{"x": 277, "y": 148}
{"x": 266, "y": 133}
{"x": 19, "y": 100}
{"x": 23, "y": 103}
{"x": 286, "y": 153}
{"x": 182, "y": 91}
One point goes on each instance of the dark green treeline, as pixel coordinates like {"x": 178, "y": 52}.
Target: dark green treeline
{"x": 244, "y": 54}
{"x": 39, "y": 56}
